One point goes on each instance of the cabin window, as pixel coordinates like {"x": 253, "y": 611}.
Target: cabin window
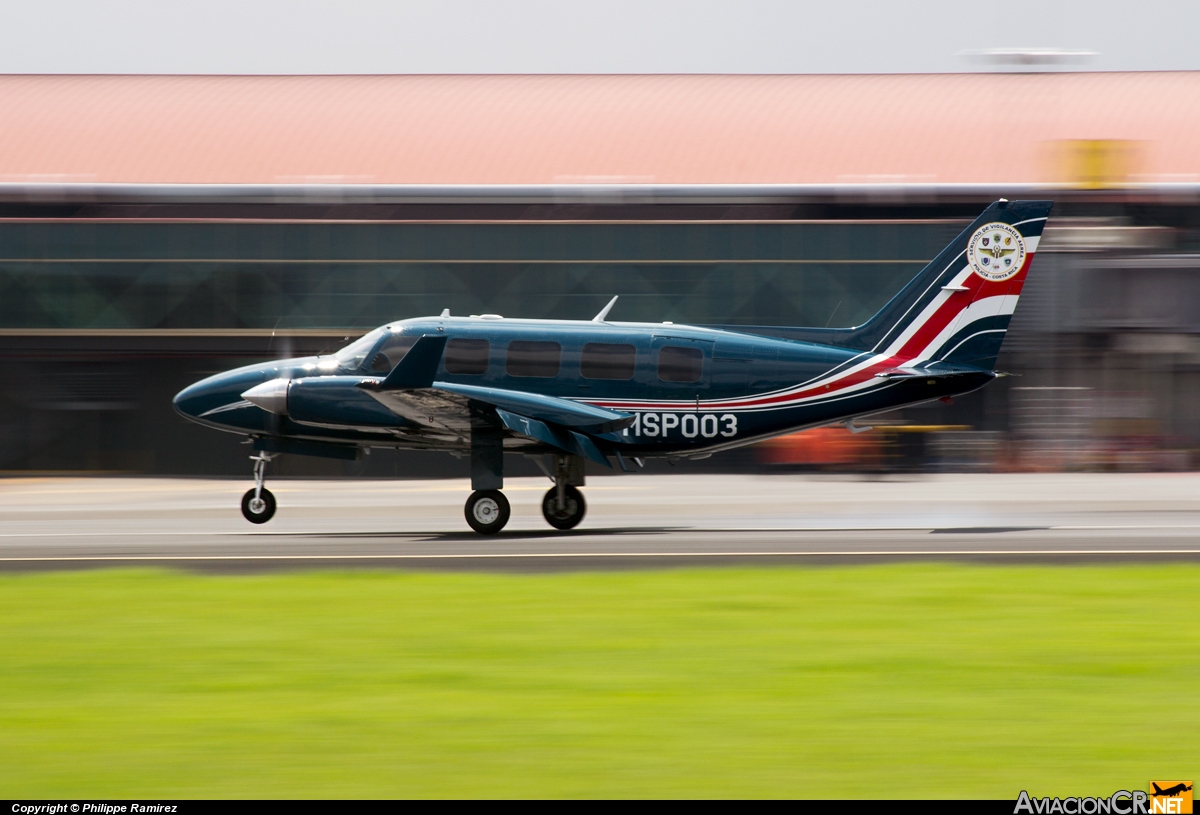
{"x": 533, "y": 358}
{"x": 678, "y": 364}
{"x": 604, "y": 360}
{"x": 467, "y": 356}
{"x": 391, "y": 352}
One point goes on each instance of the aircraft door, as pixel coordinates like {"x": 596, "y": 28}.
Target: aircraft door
{"x": 733, "y": 367}
{"x": 680, "y": 363}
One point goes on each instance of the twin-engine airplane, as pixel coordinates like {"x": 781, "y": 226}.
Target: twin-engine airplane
{"x": 572, "y": 391}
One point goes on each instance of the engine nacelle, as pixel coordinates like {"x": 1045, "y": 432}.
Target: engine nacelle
{"x": 324, "y": 400}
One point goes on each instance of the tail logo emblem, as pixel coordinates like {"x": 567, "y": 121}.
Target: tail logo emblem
{"x": 996, "y": 251}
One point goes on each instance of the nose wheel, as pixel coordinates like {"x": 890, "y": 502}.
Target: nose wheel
{"x": 487, "y": 511}
{"x": 258, "y": 504}
{"x": 563, "y": 507}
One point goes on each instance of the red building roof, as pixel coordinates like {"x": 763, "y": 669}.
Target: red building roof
{"x": 487, "y": 130}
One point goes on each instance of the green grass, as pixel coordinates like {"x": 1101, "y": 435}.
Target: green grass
{"x": 916, "y": 680}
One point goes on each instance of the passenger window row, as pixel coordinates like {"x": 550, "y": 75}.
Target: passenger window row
{"x": 599, "y": 360}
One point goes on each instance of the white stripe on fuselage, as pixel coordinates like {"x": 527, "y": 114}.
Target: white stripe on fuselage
{"x": 979, "y": 310}
{"x": 973, "y": 336}
{"x": 927, "y": 314}
{"x": 927, "y": 288}
{"x": 226, "y": 408}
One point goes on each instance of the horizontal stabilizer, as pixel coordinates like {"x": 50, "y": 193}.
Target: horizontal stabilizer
{"x": 419, "y": 366}
{"x": 938, "y": 370}
{"x": 576, "y": 415}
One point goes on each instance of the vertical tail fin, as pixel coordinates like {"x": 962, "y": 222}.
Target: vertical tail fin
{"x": 959, "y": 306}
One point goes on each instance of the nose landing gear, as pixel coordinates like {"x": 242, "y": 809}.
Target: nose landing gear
{"x": 258, "y": 504}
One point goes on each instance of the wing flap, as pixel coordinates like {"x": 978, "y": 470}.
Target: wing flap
{"x": 584, "y": 446}
{"x": 429, "y": 408}
{"x": 552, "y": 409}
{"x": 569, "y": 441}
{"x": 533, "y": 428}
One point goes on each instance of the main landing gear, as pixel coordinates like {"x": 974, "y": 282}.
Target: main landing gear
{"x": 563, "y": 507}
{"x": 487, "y": 511}
{"x": 258, "y": 504}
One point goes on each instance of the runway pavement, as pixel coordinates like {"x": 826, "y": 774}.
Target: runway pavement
{"x": 633, "y": 521}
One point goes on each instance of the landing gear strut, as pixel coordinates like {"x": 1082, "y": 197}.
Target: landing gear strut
{"x": 487, "y": 509}
{"x": 258, "y": 505}
{"x": 564, "y": 507}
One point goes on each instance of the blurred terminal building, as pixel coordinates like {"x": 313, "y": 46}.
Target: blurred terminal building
{"x": 155, "y": 229}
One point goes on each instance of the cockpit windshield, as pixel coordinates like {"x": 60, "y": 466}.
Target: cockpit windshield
{"x": 352, "y": 355}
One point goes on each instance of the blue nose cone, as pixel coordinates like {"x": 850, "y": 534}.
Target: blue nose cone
{"x": 218, "y": 400}
{"x": 197, "y": 398}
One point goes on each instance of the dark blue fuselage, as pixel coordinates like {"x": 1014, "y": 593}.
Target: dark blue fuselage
{"x": 731, "y": 388}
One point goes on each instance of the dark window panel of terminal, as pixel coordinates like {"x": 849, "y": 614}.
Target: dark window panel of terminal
{"x": 536, "y": 242}
{"x": 80, "y": 275}
{"x": 265, "y": 296}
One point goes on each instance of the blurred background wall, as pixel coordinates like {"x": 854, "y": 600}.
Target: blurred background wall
{"x": 154, "y": 230}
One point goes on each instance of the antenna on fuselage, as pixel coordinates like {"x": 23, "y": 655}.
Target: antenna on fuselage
{"x": 445, "y": 312}
{"x": 599, "y": 318}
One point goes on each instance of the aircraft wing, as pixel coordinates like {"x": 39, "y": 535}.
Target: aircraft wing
{"x": 445, "y": 407}
{"x": 452, "y": 398}
{"x": 438, "y": 411}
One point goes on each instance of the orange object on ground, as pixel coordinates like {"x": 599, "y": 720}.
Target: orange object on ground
{"x": 822, "y": 446}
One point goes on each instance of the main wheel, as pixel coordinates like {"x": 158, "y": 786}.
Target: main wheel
{"x": 487, "y": 511}
{"x": 258, "y": 510}
{"x": 572, "y": 511}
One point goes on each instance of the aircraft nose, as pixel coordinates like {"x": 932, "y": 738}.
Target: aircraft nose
{"x": 216, "y": 396}
{"x": 197, "y": 398}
